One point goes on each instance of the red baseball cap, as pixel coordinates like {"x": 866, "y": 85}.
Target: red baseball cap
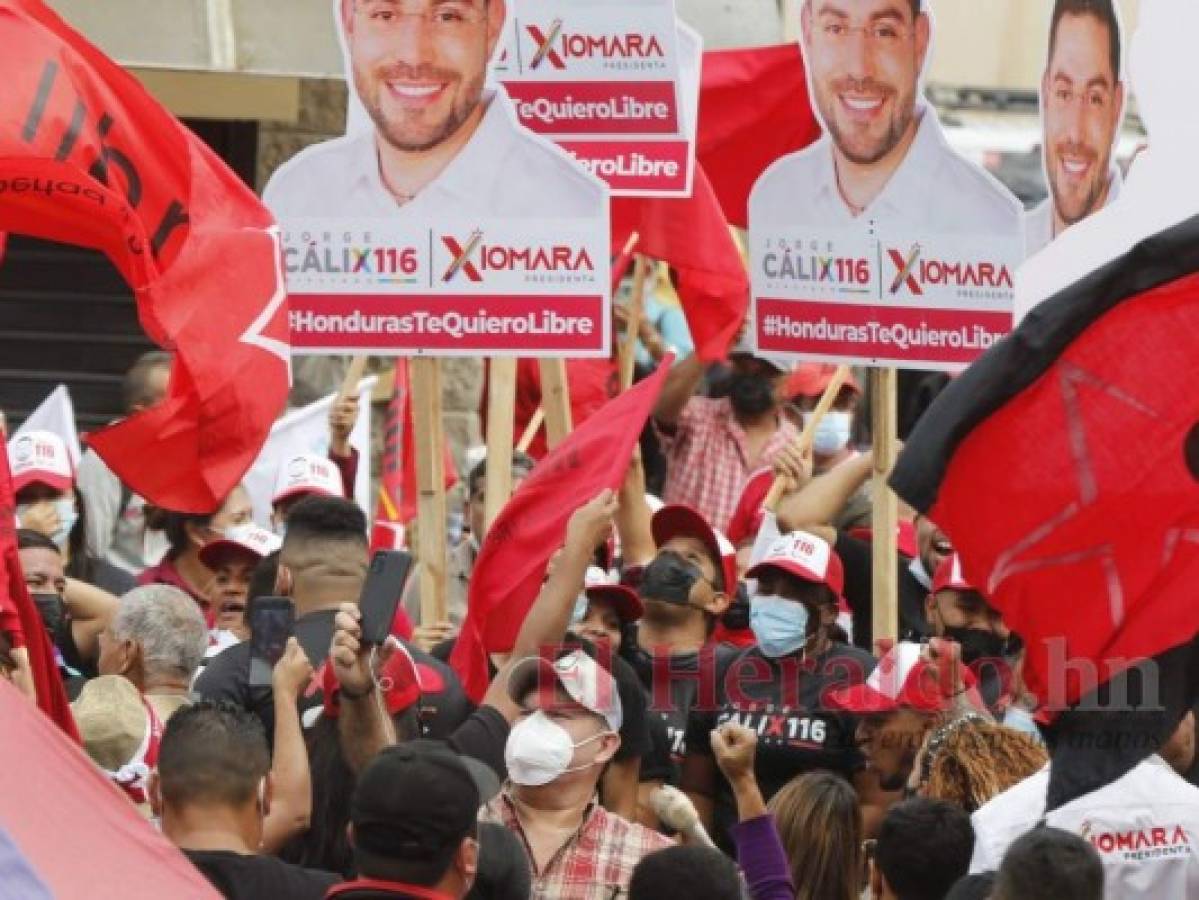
{"x": 676, "y": 520}
{"x": 949, "y": 576}
{"x": 399, "y": 682}
{"x": 623, "y": 599}
{"x": 811, "y": 380}
{"x": 805, "y": 556}
{"x": 901, "y": 680}
{"x": 248, "y": 540}
{"x": 40, "y": 457}
{"x": 748, "y": 514}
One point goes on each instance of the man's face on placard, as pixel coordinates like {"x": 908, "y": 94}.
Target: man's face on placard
{"x": 865, "y": 58}
{"x": 419, "y": 65}
{"x": 1081, "y": 102}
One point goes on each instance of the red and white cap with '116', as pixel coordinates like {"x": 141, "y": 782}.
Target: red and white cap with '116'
{"x": 40, "y": 457}
{"x": 307, "y": 473}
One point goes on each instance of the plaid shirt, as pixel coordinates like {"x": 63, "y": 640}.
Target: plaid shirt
{"x": 708, "y": 458}
{"x": 596, "y": 863}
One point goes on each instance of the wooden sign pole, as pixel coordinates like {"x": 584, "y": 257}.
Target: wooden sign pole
{"x": 827, "y": 399}
{"x": 534, "y": 426}
{"x": 555, "y": 400}
{"x": 430, "y": 483}
{"x": 883, "y": 403}
{"x": 349, "y": 384}
{"x": 501, "y": 410}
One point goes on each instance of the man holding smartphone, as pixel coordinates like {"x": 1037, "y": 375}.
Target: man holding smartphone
{"x": 322, "y": 564}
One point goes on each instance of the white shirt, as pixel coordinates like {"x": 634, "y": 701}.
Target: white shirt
{"x": 1145, "y": 827}
{"x": 503, "y": 172}
{"x": 1038, "y": 222}
{"x": 934, "y": 191}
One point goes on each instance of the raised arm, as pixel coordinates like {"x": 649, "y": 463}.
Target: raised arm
{"x": 363, "y": 726}
{"x": 679, "y": 387}
{"x": 291, "y": 808}
{"x": 824, "y": 496}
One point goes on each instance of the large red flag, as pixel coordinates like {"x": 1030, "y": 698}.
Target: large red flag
{"x": 692, "y": 236}
{"x": 518, "y": 546}
{"x": 88, "y": 157}
{"x": 753, "y": 108}
{"x": 1063, "y": 465}
{"x": 15, "y": 599}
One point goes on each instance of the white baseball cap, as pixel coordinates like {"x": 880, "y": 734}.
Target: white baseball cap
{"x": 307, "y": 473}
{"x": 585, "y": 681}
{"x": 40, "y": 457}
{"x": 248, "y": 539}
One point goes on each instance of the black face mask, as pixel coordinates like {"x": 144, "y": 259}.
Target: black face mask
{"x": 978, "y": 643}
{"x": 751, "y": 395}
{"x": 53, "y": 612}
{"x": 669, "y": 578}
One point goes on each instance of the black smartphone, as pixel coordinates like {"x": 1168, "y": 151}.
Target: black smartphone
{"x": 381, "y": 594}
{"x": 272, "y": 622}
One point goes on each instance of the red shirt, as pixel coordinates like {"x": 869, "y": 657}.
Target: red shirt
{"x": 166, "y": 573}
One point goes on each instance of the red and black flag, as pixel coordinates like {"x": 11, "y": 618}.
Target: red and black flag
{"x": 1063, "y": 465}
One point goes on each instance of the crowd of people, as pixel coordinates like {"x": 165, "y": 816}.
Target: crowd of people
{"x": 683, "y": 711}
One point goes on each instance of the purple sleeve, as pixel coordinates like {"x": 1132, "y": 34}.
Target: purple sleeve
{"x": 762, "y": 858}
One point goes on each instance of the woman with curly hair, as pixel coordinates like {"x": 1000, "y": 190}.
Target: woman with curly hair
{"x": 970, "y": 760}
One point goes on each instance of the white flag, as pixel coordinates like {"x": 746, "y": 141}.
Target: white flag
{"x": 56, "y": 414}
{"x": 306, "y": 430}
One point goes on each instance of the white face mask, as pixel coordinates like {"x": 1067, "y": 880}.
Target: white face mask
{"x": 539, "y": 750}
{"x": 832, "y": 434}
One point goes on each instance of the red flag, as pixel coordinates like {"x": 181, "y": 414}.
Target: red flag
{"x": 1063, "y": 466}
{"x": 753, "y": 108}
{"x": 397, "y": 482}
{"x": 89, "y": 158}
{"x": 14, "y": 596}
{"x": 518, "y": 546}
{"x": 691, "y": 235}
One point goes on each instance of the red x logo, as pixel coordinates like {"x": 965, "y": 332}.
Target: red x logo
{"x": 905, "y": 268}
{"x": 545, "y": 44}
{"x": 461, "y": 257}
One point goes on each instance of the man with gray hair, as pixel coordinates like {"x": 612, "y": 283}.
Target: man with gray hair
{"x": 156, "y": 640}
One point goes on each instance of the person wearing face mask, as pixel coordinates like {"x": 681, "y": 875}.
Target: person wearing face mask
{"x": 713, "y": 445}
{"x": 213, "y": 791}
{"x": 923, "y": 546}
{"x": 48, "y": 502}
{"x": 684, "y": 591}
{"x": 777, "y": 687}
{"x": 957, "y": 611}
{"x": 74, "y": 613}
{"x": 187, "y": 533}
{"x": 568, "y": 731}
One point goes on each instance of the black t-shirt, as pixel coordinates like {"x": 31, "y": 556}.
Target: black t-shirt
{"x": 671, "y": 702}
{"x": 783, "y": 701}
{"x": 239, "y": 877}
{"x": 227, "y": 677}
{"x": 856, "y": 558}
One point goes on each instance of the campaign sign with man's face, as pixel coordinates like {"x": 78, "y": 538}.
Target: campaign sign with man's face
{"x": 1082, "y": 108}
{"x": 438, "y": 223}
{"x": 879, "y": 244}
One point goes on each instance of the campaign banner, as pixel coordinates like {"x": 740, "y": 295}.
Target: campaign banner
{"x": 439, "y": 224}
{"x": 462, "y": 287}
{"x": 614, "y": 84}
{"x": 895, "y": 298}
{"x": 879, "y": 244}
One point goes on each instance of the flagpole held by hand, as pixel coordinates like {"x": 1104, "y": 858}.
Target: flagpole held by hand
{"x": 349, "y": 384}
{"x": 804, "y": 441}
{"x": 534, "y": 426}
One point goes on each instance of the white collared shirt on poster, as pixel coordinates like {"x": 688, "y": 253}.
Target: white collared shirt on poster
{"x": 1038, "y": 222}
{"x": 503, "y": 172}
{"x": 933, "y": 191}
{"x": 1145, "y": 827}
